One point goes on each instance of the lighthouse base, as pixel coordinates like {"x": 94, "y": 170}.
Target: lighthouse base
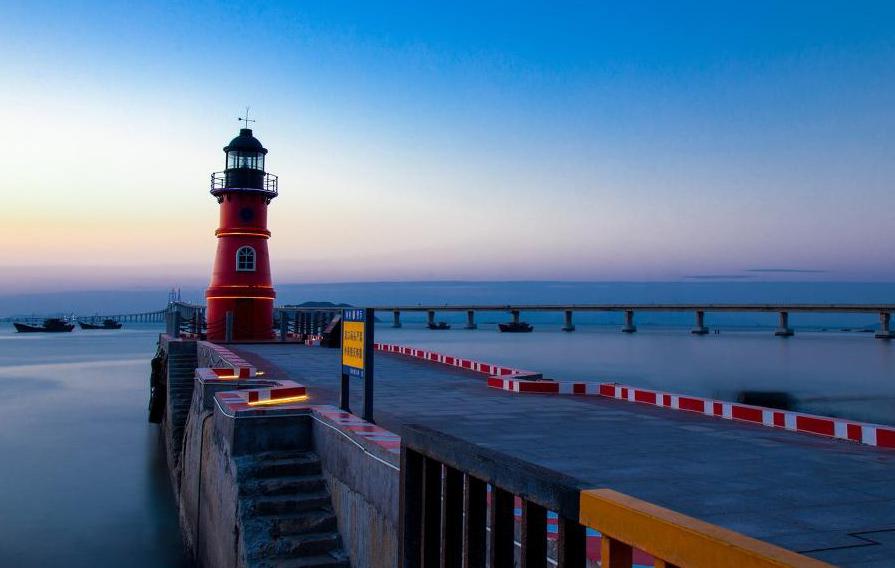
{"x": 252, "y": 319}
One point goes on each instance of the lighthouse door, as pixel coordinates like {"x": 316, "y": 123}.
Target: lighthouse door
{"x": 243, "y": 319}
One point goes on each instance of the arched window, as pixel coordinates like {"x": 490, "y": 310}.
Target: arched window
{"x": 245, "y": 259}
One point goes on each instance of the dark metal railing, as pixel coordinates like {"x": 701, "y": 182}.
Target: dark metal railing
{"x": 446, "y": 520}
{"x": 445, "y": 515}
{"x": 302, "y": 323}
{"x": 221, "y": 181}
{"x": 184, "y": 318}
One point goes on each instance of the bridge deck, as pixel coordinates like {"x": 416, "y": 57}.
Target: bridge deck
{"x": 831, "y": 499}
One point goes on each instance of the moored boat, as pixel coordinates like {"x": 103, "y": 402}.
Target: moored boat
{"x": 107, "y": 324}
{"x": 439, "y": 325}
{"x": 51, "y": 325}
{"x": 516, "y": 327}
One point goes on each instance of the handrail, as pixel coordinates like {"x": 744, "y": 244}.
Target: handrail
{"x": 270, "y": 184}
{"x": 443, "y": 512}
{"x": 626, "y": 522}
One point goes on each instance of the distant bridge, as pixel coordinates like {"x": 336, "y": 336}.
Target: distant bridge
{"x": 699, "y": 310}
{"x": 186, "y": 310}
{"x": 192, "y": 316}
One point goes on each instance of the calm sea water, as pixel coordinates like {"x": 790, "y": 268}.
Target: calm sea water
{"x": 82, "y": 476}
{"x": 832, "y": 373}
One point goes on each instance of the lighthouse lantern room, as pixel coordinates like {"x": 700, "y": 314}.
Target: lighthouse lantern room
{"x": 240, "y": 280}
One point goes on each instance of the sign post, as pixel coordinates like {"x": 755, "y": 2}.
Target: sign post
{"x": 357, "y": 356}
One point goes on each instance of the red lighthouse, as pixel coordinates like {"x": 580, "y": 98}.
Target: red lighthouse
{"x": 240, "y": 281}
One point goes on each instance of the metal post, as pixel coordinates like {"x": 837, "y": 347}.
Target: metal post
{"x": 284, "y": 325}
{"x": 700, "y": 328}
{"x": 410, "y": 518}
{"x": 475, "y": 509}
{"x": 397, "y": 319}
{"x": 784, "y": 329}
{"x": 344, "y": 403}
{"x": 629, "y": 322}
{"x": 228, "y": 327}
{"x": 884, "y": 331}
{"x": 569, "y": 326}
{"x": 452, "y": 519}
{"x": 571, "y": 545}
{"x": 175, "y": 324}
{"x": 502, "y": 547}
{"x": 369, "y": 324}
{"x": 533, "y": 536}
{"x": 470, "y": 320}
{"x": 615, "y": 554}
{"x": 431, "y": 513}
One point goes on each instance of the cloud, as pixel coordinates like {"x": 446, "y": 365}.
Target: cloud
{"x": 786, "y": 270}
{"x": 719, "y": 276}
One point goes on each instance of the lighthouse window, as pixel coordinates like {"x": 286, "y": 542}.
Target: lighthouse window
{"x": 249, "y": 160}
{"x": 245, "y": 259}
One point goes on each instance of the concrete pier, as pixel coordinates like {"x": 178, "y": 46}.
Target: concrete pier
{"x": 396, "y": 322}
{"x": 700, "y": 328}
{"x": 884, "y": 331}
{"x": 823, "y": 497}
{"x": 515, "y": 314}
{"x": 629, "y": 326}
{"x": 783, "y": 330}
{"x": 430, "y": 317}
{"x": 470, "y": 320}
{"x": 568, "y": 325}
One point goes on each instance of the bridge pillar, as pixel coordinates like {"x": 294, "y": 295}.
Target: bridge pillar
{"x": 700, "y": 328}
{"x": 784, "y": 330}
{"x": 568, "y": 325}
{"x": 884, "y": 331}
{"x": 629, "y": 326}
{"x": 470, "y": 320}
{"x": 515, "y": 314}
{"x": 396, "y": 322}
{"x": 430, "y": 317}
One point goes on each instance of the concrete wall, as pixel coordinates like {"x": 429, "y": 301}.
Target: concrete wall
{"x": 364, "y": 484}
{"x": 207, "y": 449}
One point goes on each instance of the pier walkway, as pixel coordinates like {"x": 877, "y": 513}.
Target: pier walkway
{"x": 830, "y": 499}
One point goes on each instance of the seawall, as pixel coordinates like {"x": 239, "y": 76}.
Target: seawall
{"x": 246, "y": 475}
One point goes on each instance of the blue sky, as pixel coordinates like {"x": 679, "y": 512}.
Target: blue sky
{"x": 580, "y": 141}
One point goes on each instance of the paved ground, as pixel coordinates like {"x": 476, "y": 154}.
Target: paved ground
{"x": 831, "y": 499}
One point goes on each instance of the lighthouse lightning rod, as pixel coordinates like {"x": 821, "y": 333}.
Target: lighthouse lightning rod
{"x": 247, "y": 120}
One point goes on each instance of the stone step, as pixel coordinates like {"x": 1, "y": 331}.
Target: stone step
{"x": 316, "y": 520}
{"x": 285, "y": 504}
{"x": 298, "y": 464}
{"x": 306, "y": 544}
{"x": 322, "y": 561}
{"x": 284, "y": 485}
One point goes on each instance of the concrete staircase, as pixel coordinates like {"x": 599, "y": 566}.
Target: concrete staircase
{"x": 284, "y": 497}
{"x": 181, "y": 368}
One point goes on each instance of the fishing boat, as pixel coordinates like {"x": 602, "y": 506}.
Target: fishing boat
{"x": 107, "y": 324}
{"x": 439, "y": 325}
{"x": 51, "y": 325}
{"x": 516, "y": 327}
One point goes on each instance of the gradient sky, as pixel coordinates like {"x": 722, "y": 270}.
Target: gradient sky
{"x": 581, "y": 141}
